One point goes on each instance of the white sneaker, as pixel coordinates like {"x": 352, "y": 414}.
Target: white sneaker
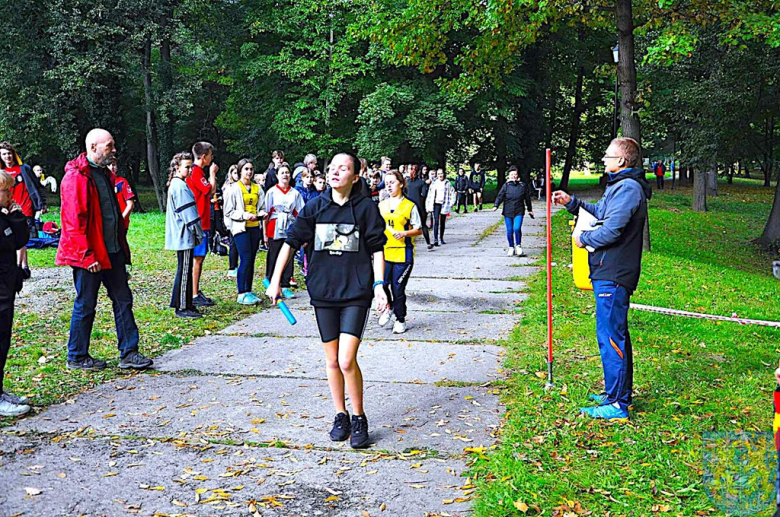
{"x": 232, "y": 273}
{"x": 11, "y": 409}
{"x": 384, "y": 318}
{"x": 518, "y": 251}
{"x": 510, "y": 252}
{"x": 246, "y": 299}
{"x": 399, "y": 327}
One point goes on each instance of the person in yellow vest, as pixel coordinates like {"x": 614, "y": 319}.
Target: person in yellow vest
{"x": 403, "y": 225}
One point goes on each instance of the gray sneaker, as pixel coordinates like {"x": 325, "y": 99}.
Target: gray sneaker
{"x": 135, "y": 361}
{"x": 13, "y": 399}
{"x": 11, "y": 409}
{"x": 89, "y": 363}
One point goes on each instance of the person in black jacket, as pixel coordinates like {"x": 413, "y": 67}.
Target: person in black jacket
{"x": 417, "y": 192}
{"x": 615, "y": 261}
{"x": 346, "y": 233}
{"x": 277, "y": 157}
{"x": 461, "y": 187}
{"x": 516, "y": 196}
{"x": 13, "y": 236}
{"x": 476, "y": 186}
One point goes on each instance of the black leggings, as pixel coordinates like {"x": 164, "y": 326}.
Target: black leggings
{"x": 439, "y": 222}
{"x": 7, "y": 296}
{"x": 334, "y": 321}
{"x": 233, "y": 254}
{"x": 462, "y": 200}
{"x": 274, "y": 248}
{"x": 423, "y": 218}
{"x": 181, "y": 299}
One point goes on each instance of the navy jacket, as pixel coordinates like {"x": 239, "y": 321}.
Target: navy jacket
{"x": 618, "y": 241}
{"x": 461, "y": 183}
{"x": 477, "y": 180}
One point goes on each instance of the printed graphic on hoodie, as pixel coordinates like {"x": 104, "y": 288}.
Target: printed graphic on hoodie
{"x": 337, "y": 238}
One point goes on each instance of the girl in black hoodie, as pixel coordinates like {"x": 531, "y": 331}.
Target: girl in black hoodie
{"x": 345, "y": 231}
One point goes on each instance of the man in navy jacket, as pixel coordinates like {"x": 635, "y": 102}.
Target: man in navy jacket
{"x": 615, "y": 265}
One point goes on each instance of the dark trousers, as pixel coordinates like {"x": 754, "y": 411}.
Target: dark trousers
{"x": 181, "y": 298}
{"x": 396, "y": 277}
{"x": 247, "y": 244}
{"x": 439, "y": 222}
{"x": 659, "y": 182}
{"x": 7, "y": 298}
{"x": 274, "y": 247}
{"x": 617, "y": 358}
{"x": 462, "y": 200}
{"x": 233, "y": 254}
{"x": 423, "y": 219}
{"x": 83, "y": 318}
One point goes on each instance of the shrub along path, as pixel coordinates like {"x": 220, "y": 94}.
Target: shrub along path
{"x": 236, "y": 423}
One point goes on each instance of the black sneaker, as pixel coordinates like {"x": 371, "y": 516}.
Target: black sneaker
{"x": 26, "y": 273}
{"x": 89, "y": 363}
{"x": 359, "y": 438}
{"x": 188, "y": 313}
{"x": 436, "y": 243}
{"x": 430, "y": 247}
{"x": 442, "y": 242}
{"x": 341, "y": 428}
{"x": 135, "y": 361}
{"x": 202, "y": 301}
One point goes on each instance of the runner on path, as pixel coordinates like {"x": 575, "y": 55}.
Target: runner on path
{"x": 516, "y": 196}
{"x": 403, "y": 225}
{"x": 417, "y": 192}
{"x": 477, "y": 186}
{"x": 347, "y": 234}
{"x": 441, "y": 197}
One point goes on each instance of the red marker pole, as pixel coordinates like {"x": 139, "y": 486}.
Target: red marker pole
{"x": 548, "y": 187}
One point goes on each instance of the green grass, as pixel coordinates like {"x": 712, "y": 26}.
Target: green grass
{"x": 43, "y": 331}
{"x": 691, "y": 376}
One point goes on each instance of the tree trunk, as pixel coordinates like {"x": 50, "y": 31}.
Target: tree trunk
{"x": 152, "y": 160}
{"x": 166, "y": 82}
{"x": 629, "y": 116}
{"x": 712, "y": 183}
{"x": 629, "y": 113}
{"x": 699, "y": 191}
{"x": 574, "y": 134}
{"x": 771, "y": 233}
{"x": 500, "y": 133}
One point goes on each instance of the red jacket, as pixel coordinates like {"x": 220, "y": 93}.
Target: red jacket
{"x": 81, "y": 243}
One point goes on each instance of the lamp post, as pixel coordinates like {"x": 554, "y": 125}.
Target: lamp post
{"x": 616, "y": 59}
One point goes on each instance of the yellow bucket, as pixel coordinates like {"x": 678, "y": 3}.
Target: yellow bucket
{"x": 579, "y": 265}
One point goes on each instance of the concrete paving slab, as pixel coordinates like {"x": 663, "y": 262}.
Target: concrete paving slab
{"x": 118, "y": 477}
{"x": 499, "y": 268}
{"x": 386, "y": 361}
{"x": 295, "y": 411}
{"x": 436, "y": 294}
{"x": 423, "y": 326}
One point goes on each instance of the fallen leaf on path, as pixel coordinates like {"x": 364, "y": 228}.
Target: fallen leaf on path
{"x": 33, "y": 491}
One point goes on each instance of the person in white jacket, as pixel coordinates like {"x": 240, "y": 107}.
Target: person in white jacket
{"x": 441, "y": 196}
{"x": 183, "y": 232}
{"x": 243, "y": 219}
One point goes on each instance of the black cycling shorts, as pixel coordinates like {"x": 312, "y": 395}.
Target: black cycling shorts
{"x": 334, "y": 321}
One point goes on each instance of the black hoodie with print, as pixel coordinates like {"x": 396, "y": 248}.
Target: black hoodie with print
{"x": 342, "y": 240}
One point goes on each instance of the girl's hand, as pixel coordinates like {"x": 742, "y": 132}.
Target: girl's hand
{"x": 381, "y": 298}
{"x": 495, "y": 208}
{"x": 274, "y": 291}
{"x": 251, "y": 217}
{"x": 399, "y": 235}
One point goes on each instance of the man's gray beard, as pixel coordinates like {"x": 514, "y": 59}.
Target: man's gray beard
{"x": 106, "y": 160}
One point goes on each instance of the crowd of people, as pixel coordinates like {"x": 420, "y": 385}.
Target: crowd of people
{"x": 352, "y": 231}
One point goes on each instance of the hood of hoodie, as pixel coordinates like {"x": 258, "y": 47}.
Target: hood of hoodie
{"x": 80, "y": 164}
{"x": 636, "y": 174}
